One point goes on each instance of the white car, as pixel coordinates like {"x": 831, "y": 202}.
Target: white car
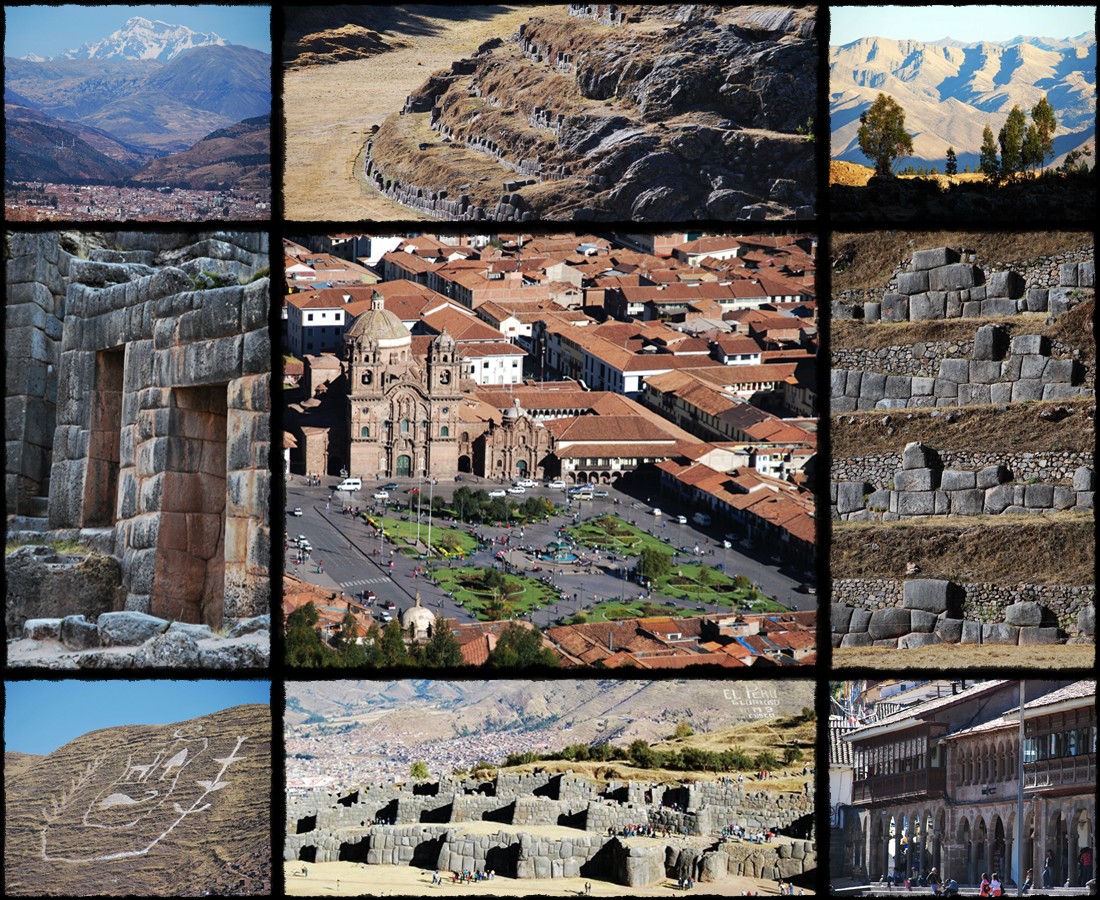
{"x": 600, "y": 495}
{"x": 381, "y": 495}
{"x": 683, "y": 520}
{"x": 386, "y": 617}
{"x": 497, "y": 494}
{"x": 297, "y": 511}
{"x": 527, "y": 483}
{"x": 556, "y": 485}
{"x": 516, "y": 489}
{"x": 656, "y": 511}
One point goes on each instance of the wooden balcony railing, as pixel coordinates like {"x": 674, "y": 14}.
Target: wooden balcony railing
{"x": 926, "y": 782}
{"x": 1071, "y": 771}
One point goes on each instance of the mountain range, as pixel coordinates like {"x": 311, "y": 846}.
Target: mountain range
{"x": 130, "y": 100}
{"x": 950, "y": 90}
{"x": 141, "y": 38}
{"x": 180, "y": 809}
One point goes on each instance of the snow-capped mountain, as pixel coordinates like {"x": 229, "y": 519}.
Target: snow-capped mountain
{"x": 140, "y": 38}
{"x": 34, "y": 57}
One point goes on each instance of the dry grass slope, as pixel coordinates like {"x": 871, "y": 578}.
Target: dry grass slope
{"x": 954, "y": 656}
{"x": 875, "y": 254}
{"x": 1059, "y": 549}
{"x": 97, "y": 779}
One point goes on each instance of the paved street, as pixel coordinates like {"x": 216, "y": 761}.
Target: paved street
{"x": 351, "y": 560}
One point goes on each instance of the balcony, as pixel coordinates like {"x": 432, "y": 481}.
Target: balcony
{"x": 1071, "y": 773}
{"x": 905, "y": 785}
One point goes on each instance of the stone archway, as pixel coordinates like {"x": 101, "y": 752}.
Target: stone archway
{"x": 465, "y": 464}
{"x": 981, "y": 849}
{"x": 877, "y": 861}
{"x": 966, "y": 849}
{"x": 998, "y": 859}
{"x": 1058, "y": 843}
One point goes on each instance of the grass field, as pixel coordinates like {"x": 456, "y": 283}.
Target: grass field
{"x": 955, "y": 657}
{"x": 613, "y": 534}
{"x": 446, "y": 541}
{"x": 520, "y": 596}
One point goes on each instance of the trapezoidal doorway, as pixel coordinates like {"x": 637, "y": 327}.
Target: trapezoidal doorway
{"x": 104, "y": 440}
{"x": 190, "y": 578}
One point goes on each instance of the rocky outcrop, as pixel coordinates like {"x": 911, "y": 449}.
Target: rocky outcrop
{"x": 707, "y": 119}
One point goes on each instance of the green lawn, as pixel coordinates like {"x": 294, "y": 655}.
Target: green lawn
{"x": 687, "y": 581}
{"x": 612, "y": 610}
{"x": 520, "y": 595}
{"x": 612, "y": 533}
{"x": 447, "y": 542}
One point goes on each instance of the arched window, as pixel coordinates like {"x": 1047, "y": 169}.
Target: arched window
{"x": 404, "y": 426}
{"x": 364, "y": 431}
{"x": 368, "y": 377}
{"x": 444, "y": 377}
{"x": 444, "y": 431}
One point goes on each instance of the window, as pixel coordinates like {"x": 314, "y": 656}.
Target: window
{"x": 364, "y": 431}
{"x": 404, "y": 426}
{"x": 444, "y": 431}
{"x": 309, "y": 317}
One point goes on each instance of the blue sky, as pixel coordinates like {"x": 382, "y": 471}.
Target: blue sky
{"x": 49, "y": 30}
{"x": 963, "y": 23}
{"x": 40, "y": 716}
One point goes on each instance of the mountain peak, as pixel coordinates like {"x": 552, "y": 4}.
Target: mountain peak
{"x": 141, "y": 38}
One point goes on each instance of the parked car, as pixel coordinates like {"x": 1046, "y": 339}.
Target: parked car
{"x": 305, "y": 547}
{"x": 381, "y": 495}
{"x": 297, "y": 511}
{"x": 497, "y": 493}
{"x": 599, "y": 495}
{"x": 683, "y": 520}
{"x": 413, "y": 491}
{"x": 556, "y": 485}
{"x": 807, "y": 589}
{"x": 300, "y": 539}
{"x": 392, "y": 486}
{"x": 389, "y": 604}
{"x": 386, "y": 617}
{"x": 656, "y": 511}
{"x": 527, "y": 483}
{"x": 516, "y": 489}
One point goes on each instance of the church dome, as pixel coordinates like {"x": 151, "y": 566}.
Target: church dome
{"x": 420, "y": 618}
{"x": 381, "y": 325}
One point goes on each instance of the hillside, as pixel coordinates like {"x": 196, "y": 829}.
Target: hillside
{"x": 181, "y": 809}
{"x": 40, "y": 148}
{"x": 154, "y": 105}
{"x": 951, "y": 91}
{"x": 576, "y": 711}
{"x": 653, "y": 118}
{"x": 239, "y": 156}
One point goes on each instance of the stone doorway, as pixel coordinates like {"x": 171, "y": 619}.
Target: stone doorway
{"x": 104, "y": 438}
{"x": 190, "y": 582}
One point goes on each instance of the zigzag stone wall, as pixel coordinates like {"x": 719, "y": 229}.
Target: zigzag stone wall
{"x": 923, "y": 611}
{"x": 395, "y": 825}
{"x": 997, "y": 371}
{"x": 922, "y": 486}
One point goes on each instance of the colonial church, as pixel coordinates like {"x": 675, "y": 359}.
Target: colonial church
{"x": 403, "y": 413}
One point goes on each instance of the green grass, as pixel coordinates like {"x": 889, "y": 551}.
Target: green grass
{"x": 612, "y": 533}
{"x": 448, "y": 542}
{"x": 521, "y": 595}
{"x": 64, "y": 547}
{"x": 613, "y": 610}
{"x": 687, "y": 581}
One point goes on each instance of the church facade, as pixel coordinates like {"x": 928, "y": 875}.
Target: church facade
{"x": 403, "y": 412}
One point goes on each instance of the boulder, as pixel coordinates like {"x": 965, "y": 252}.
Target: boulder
{"x": 42, "y": 630}
{"x": 249, "y": 626}
{"x": 840, "y": 616}
{"x": 991, "y": 476}
{"x": 949, "y": 630}
{"x": 1086, "y": 620}
{"x": 999, "y": 633}
{"x": 923, "y": 622}
{"x": 931, "y": 259}
{"x": 913, "y": 641}
{"x": 889, "y": 623}
{"x": 850, "y": 496}
{"x": 916, "y": 480}
{"x": 128, "y": 628}
{"x": 77, "y": 633}
{"x": 990, "y": 343}
{"x": 1025, "y": 612}
{"x": 928, "y": 594}
{"x": 854, "y": 639}
{"x": 1082, "y": 479}
{"x": 861, "y": 618}
{"x": 917, "y": 456}
{"x": 1033, "y": 634}
{"x": 971, "y": 632}
{"x": 955, "y": 277}
{"x": 173, "y": 649}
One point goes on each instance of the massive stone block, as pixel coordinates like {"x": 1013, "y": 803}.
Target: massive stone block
{"x": 889, "y": 623}
{"x": 931, "y": 259}
{"x": 928, "y": 594}
{"x": 955, "y": 277}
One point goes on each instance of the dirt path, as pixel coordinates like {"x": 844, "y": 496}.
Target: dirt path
{"x": 330, "y": 110}
{"x": 404, "y": 881}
